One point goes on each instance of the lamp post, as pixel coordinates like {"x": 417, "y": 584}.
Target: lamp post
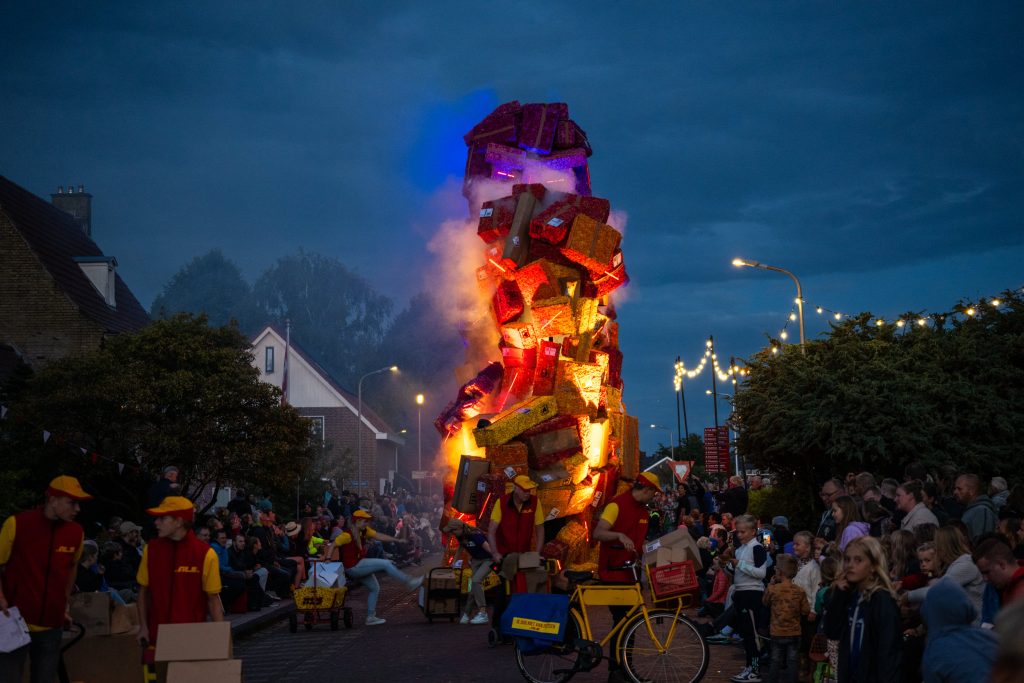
{"x": 359, "y": 420}
{"x": 671, "y": 444}
{"x": 741, "y": 263}
{"x": 684, "y": 435}
{"x": 419, "y": 441}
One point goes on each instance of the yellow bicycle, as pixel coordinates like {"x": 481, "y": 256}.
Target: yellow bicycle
{"x": 656, "y": 644}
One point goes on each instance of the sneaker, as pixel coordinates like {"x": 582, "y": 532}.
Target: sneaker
{"x": 273, "y": 596}
{"x": 754, "y": 677}
{"x": 719, "y": 639}
{"x": 465, "y": 619}
{"x": 374, "y": 620}
{"x": 414, "y": 584}
{"x": 481, "y": 618}
{"x": 727, "y": 630}
{"x": 742, "y": 677}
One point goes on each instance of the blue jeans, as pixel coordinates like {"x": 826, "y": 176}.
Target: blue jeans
{"x": 784, "y": 653}
{"x": 364, "y": 572}
{"x": 43, "y": 654}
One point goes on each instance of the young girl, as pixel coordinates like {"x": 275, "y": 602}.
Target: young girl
{"x": 849, "y": 524}
{"x": 863, "y": 616}
{"x": 953, "y": 561}
{"x": 901, "y": 556}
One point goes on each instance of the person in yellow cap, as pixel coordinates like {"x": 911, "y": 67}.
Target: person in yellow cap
{"x": 179, "y": 575}
{"x": 621, "y": 532}
{"x": 350, "y": 548}
{"x": 39, "y": 553}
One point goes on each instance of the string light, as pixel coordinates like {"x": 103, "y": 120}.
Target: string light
{"x": 996, "y": 302}
{"x": 970, "y": 311}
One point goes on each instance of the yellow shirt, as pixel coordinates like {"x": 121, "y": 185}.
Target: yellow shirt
{"x": 538, "y": 517}
{"x": 211, "y": 571}
{"x": 611, "y": 513}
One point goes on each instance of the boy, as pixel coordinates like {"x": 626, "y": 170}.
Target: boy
{"x": 788, "y": 603}
{"x": 749, "y": 567}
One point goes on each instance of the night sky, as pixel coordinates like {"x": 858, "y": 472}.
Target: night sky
{"x": 874, "y": 149}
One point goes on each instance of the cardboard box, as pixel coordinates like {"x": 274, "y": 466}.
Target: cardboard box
{"x": 539, "y": 123}
{"x": 529, "y": 560}
{"x": 517, "y": 245}
{"x": 224, "y": 671}
{"x": 507, "y": 301}
{"x": 470, "y": 471}
{"x": 578, "y": 387}
{"x": 556, "y": 435}
{"x": 568, "y": 134}
{"x": 519, "y": 335}
{"x": 106, "y": 659}
{"x": 92, "y": 610}
{"x": 124, "y": 618}
{"x": 507, "y": 425}
{"x": 501, "y": 125}
{"x": 582, "y": 174}
{"x": 554, "y": 316}
{"x": 630, "y": 456}
{"x": 513, "y": 453}
{"x": 496, "y": 219}
{"x": 194, "y": 642}
{"x": 547, "y": 361}
{"x": 675, "y": 546}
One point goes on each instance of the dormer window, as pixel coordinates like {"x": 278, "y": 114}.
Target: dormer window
{"x": 100, "y": 271}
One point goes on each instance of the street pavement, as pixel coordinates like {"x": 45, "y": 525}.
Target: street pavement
{"x": 406, "y": 648}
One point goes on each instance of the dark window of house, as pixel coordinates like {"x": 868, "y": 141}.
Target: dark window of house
{"x": 268, "y": 361}
{"x": 316, "y": 429}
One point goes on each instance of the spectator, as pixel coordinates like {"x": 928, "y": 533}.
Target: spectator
{"x": 118, "y": 573}
{"x": 734, "y": 499}
{"x": 862, "y": 482}
{"x": 876, "y": 517}
{"x": 998, "y": 492}
{"x": 930, "y": 498}
{"x": 166, "y": 485}
{"x": 781, "y": 535}
{"x": 863, "y": 616}
{"x": 756, "y": 483}
{"x": 1010, "y": 657}
{"x": 902, "y": 556}
{"x": 830, "y": 490}
{"x": 31, "y": 565}
{"x": 131, "y": 543}
{"x": 999, "y": 567}
{"x": 475, "y": 544}
{"x": 749, "y": 567}
{"x": 89, "y": 578}
{"x": 946, "y": 481}
{"x": 849, "y": 524}
{"x": 242, "y": 560}
{"x": 240, "y": 504}
{"x": 788, "y": 606}
{"x": 957, "y": 651}
{"x": 979, "y": 514}
{"x": 953, "y": 561}
{"x": 910, "y": 501}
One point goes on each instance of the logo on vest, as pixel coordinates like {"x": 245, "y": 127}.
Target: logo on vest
{"x": 186, "y": 570}
{"x": 66, "y": 549}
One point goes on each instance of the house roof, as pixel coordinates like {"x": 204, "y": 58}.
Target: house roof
{"x": 57, "y": 241}
{"x": 377, "y": 422}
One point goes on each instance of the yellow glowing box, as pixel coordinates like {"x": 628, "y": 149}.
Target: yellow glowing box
{"x": 507, "y": 425}
{"x": 554, "y": 316}
{"x": 578, "y": 387}
{"x": 595, "y": 440}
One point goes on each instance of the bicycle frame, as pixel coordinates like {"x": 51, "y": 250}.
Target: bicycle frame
{"x": 596, "y": 595}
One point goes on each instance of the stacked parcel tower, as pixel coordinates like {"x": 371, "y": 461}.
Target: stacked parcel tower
{"x": 546, "y": 398}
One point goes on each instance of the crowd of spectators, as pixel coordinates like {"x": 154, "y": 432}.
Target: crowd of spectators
{"x": 918, "y": 579}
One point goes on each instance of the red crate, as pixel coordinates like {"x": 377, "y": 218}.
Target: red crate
{"x": 672, "y": 580}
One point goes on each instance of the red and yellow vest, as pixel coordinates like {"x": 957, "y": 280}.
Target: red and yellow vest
{"x": 176, "y": 582}
{"x": 516, "y": 529}
{"x": 633, "y": 520}
{"x": 42, "y": 561}
{"x": 352, "y": 552}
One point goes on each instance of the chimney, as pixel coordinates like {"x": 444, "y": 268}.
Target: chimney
{"x": 78, "y": 204}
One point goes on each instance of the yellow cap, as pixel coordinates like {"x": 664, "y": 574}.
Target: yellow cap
{"x": 361, "y": 514}
{"x": 174, "y": 506}
{"x": 67, "y": 486}
{"x": 524, "y": 482}
{"x": 649, "y": 479}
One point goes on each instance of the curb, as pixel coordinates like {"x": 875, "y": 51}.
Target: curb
{"x": 250, "y": 622}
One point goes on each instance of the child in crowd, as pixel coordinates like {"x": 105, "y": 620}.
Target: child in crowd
{"x": 788, "y": 604}
{"x": 808, "y": 578}
{"x": 829, "y": 569}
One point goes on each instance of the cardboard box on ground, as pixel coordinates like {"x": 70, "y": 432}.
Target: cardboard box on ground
{"x": 198, "y": 653}
{"x": 675, "y": 546}
{"x": 101, "y": 616}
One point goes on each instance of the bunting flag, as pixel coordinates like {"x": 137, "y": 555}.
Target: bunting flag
{"x": 120, "y": 468}
{"x": 3, "y": 412}
{"x": 46, "y": 436}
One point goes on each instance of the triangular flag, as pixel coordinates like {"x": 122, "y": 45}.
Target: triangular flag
{"x": 84, "y": 450}
{"x": 3, "y": 412}
{"x": 46, "y": 436}
{"x": 95, "y": 458}
{"x": 120, "y": 468}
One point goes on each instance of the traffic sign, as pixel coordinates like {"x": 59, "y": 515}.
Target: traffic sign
{"x": 421, "y": 474}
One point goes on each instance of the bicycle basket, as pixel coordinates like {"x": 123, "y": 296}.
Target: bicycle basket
{"x": 538, "y": 617}
{"x": 672, "y": 580}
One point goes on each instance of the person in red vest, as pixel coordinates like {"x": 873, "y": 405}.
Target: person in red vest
{"x": 516, "y": 526}
{"x": 39, "y": 553}
{"x": 621, "y": 532}
{"x": 179, "y": 575}
{"x": 350, "y": 548}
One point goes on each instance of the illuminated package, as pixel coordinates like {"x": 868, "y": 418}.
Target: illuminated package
{"x": 591, "y": 243}
{"x": 585, "y": 316}
{"x": 611, "y": 399}
{"x": 510, "y": 472}
{"x": 519, "y": 335}
{"x": 568, "y": 134}
{"x": 578, "y": 387}
{"x": 511, "y": 357}
{"x": 630, "y": 456}
{"x": 606, "y": 483}
{"x": 511, "y": 454}
{"x": 569, "y": 471}
{"x": 507, "y": 301}
{"x": 594, "y": 434}
{"x": 465, "y": 495}
{"x": 506, "y": 158}
{"x": 565, "y": 159}
{"x": 539, "y": 123}
{"x": 501, "y": 125}
{"x": 536, "y": 189}
{"x": 517, "y": 245}
{"x": 612, "y": 277}
{"x": 547, "y": 362}
{"x": 582, "y": 496}
{"x": 507, "y": 425}
{"x": 492, "y": 261}
{"x": 537, "y": 273}
{"x": 582, "y": 174}
{"x": 492, "y": 483}
{"x": 496, "y": 219}
{"x": 556, "y": 435}
{"x": 476, "y": 162}
{"x": 555, "y": 501}
{"x": 552, "y": 224}
{"x": 483, "y": 520}
{"x": 556, "y": 550}
{"x": 615, "y": 369}
{"x": 553, "y": 316}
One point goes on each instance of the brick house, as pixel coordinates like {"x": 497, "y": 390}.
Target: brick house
{"x": 333, "y": 409}
{"x": 59, "y": 294}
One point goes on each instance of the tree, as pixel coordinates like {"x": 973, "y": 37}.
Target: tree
{"x": 213, "y": 285}
{"x": 335, "y": 313}
{"x": 876, "y": 397}
{"x": 177, "y": 392}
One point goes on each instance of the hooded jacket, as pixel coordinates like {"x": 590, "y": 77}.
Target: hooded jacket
{"x": 980, "y": 517}
{"x": 963, "y": 572}
{"x": 876, "y": 622}
{"x": 853, "y": 530}
{"x": 956, "y": 650}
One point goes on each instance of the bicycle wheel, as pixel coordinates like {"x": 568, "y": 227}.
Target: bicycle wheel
{"x": 685, "y": 659}
{"x": 554, "y": 664}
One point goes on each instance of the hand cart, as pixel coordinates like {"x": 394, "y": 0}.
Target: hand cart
{"x": 317, "y": 605}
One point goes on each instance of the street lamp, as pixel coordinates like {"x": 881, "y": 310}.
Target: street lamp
{"x": 684, "y": 436}
{"x": 741, "y": 263}
{"x": 359, "y": 420}
{"x": 671, "y": 444}
{"x": 419, "y": 442}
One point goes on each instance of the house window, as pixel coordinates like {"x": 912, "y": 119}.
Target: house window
{"x": 268, "y": 360}
{"x": 316, "y": 429}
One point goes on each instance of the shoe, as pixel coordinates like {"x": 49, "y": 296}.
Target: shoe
{"x": 273, "y": 596}
{"x": 481, "y": 618}
{"x": 727, "y": 630}
{"x": 719, "y": 639}
{"x": 374, "y": 620}
{"x": 465, "y": 619}
{"x": 742, "y": 677}
{"x": 414, "y": 584}
{"x": 754, "y": 677}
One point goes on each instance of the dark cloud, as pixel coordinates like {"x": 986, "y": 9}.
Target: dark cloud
{"x": 874, "y": 149}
